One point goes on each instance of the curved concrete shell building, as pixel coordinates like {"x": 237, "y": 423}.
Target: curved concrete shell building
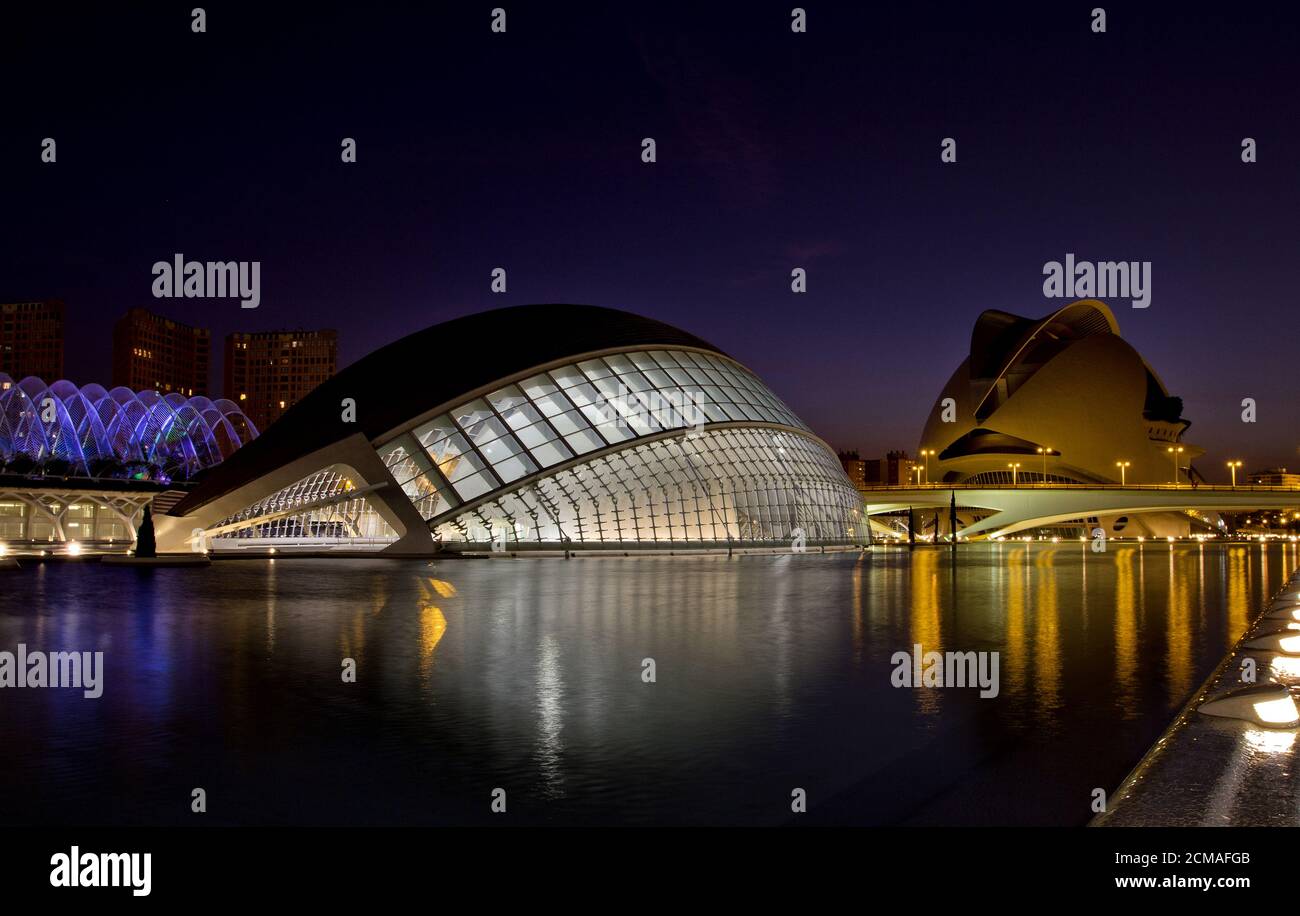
{"x": 1068, "y": 385}
{"x": 559, "y": 426}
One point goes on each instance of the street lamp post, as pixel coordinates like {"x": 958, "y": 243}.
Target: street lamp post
{"x": 925, "y": 454}
{"x": 1174, "y": 453}
{"x": 1232, "y": 466}
{"x": 1044, "y": 451}
{"x": 1015, "y": 466}
{"x": 1123, "y": 466}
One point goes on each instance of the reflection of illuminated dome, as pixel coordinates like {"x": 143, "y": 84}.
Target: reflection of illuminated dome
{"x": 1066, "y": 382}
{"x": 530, "y": 426}
{"x": 89, "y": 432}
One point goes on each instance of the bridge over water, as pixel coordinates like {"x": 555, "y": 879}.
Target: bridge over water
{"x": 1017, "y": 508}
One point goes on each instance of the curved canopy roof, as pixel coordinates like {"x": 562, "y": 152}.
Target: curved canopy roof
{"x": 96, "y": 433}
{"x": 1000, "y": 338}
{"x": 1002, "y": 342}
{"x": 430, "y": 368}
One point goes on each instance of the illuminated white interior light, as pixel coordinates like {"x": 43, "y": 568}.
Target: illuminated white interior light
{"x": 1270, "y": 705}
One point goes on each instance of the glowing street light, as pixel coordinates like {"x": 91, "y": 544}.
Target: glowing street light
{"x": 1123, "y": 467}
{"x": 1174, "y": 453}
{"x": 1044, "y": 451}
{"x": 1232, "y": 466}
{"x": 926, "y": 453}
{"x": 1015, "y": 466}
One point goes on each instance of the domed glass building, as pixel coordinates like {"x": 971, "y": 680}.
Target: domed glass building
{"x": 561, "y": 426}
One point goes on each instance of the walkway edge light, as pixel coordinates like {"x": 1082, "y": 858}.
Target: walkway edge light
{"x": 1286, "y": 642}
{"x": 1268, "y": 705}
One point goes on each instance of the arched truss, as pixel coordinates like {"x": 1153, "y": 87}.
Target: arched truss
{"x": 94, "y": 432}
{"x": 326, "y": 506}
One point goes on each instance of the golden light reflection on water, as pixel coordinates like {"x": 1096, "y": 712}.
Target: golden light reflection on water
{"x": 1047, "y": 632}
{"x": 926, "y": 627}
{"x": 1238, "y": 583}
{"x": 1046, "y": 601}
{"x": 1263, "y": 573}
{"x": 433, "y": 624}
{"x": 1013, "y": 667}
{"x": 1126, "y": 631}
{"x": 1179, "y": 664}
{"x": 444, "y": 588}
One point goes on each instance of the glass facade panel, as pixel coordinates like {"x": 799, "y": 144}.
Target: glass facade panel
{"x": 739, "y": 485}
{"x": 507, "y": 399}
{"x": 473, "y": 486}
{"x": 735, "y": 484}
{"x": 569, "y": 422}
{"x": 551, "y": 453}
{"x": 434, "y": 431}
{"x": 535, "y": 435}
{"x": 583, "y": 441}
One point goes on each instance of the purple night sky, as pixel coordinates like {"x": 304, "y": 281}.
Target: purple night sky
{"x": 775, "y": 150}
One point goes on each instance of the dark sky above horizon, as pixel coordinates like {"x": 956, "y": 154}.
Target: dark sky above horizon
{"x": 775, "y": 150}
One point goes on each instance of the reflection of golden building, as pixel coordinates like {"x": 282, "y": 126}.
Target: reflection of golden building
{"x": 1069, "y": 385}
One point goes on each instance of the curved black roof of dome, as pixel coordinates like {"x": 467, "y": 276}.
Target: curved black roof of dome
{"x": 418, "y": 372}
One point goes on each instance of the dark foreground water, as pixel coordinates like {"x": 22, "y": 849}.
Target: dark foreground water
{"x": 773, "y": 673}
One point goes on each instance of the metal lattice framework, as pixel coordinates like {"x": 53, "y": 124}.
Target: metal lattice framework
{"x": 323, "y": 506}
{"x": 97, "y": 433}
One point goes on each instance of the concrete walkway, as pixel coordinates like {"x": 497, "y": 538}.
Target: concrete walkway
{"x": 1222, "y": 770}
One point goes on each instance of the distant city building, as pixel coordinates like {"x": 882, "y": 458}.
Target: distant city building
{"x": 268, "y": 372}
{"x": 893, "y": 470}
{"x": 153, "y": 352}
{"x": 1275, "y": 477}
{"x": 31, "y": 339}
{"x": 855, "y": 468}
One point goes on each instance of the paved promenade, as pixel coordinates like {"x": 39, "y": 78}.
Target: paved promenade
{"x": 1236, "y": 767}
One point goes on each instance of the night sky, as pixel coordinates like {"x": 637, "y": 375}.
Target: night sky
{"x": 775, "y": 151}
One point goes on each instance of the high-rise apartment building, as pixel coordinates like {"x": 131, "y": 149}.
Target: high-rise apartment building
{"x": 152, "y": 352}
{"x": 31, "y": 339}
{"x": 268, "y": 372}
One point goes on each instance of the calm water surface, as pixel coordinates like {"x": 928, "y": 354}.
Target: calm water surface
{"x": 772, "y": 673}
